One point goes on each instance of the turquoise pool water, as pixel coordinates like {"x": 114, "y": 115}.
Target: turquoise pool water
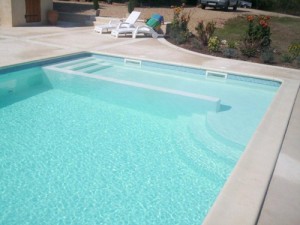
{"x": 94, "y": 140}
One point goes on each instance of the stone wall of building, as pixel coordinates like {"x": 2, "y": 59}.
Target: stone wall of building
{"x": 5, "y": 13}
{"x": 12, "y": 13}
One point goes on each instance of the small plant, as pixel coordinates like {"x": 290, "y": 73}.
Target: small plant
{"x": 286, "y": 58}
{"x": 204, "y": 33}
{"x": 249, "y": 51}
{"x": 181, "y": 38}
{"x": 292, "y": 54}
{"x": 230, "y": 51}
{"x": 294, "y": 50}
{"x": 179, "y": 27}
{"x": 267, "y": 55}
{"x": 196, "y": 44}
{"x": 214, "y": 44}
{"x": 232, "y": 44}
{"x": 257, "y": 35}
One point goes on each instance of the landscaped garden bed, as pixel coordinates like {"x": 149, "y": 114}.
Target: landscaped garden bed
{"x": 256, "y": 38}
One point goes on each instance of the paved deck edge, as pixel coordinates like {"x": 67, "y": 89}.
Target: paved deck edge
{"x": 242, "y": 196}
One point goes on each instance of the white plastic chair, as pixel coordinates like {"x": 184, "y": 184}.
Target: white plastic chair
{"x": 128, "y": 23}
{"x": 134, "y": 31}
{"x": 146, "y": 30}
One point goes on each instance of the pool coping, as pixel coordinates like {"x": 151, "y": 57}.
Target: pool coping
{"x": 242, "y": 196}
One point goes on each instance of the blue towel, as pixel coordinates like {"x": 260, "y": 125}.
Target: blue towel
{"x": 158, "y": 17}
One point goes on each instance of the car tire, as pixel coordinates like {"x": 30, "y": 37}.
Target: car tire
{"x": 203, "y": 6}
{"x": 234, "y": 8}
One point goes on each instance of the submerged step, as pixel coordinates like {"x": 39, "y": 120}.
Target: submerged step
{"x": 99, "y": 68}
{"x": 84, "y": 66}
{"x": 203, "y": 101}
{"x": 80, "y": 65}
{"x": 72, "y": 63}
{"x": 95, "y": 68}
{"x": 89, "y": 65}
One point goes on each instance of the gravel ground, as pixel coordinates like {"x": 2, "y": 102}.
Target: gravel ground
{"x": 120, "y": 11}
{"x": 196, "y": 14}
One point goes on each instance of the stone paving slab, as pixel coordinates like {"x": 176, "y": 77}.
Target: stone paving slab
{"x": 282, "y": 204}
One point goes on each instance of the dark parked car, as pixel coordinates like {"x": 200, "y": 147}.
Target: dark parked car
{"x": 223, "y": 4}
{"x": 245, "y": 4}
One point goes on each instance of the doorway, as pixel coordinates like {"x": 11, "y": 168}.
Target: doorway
{"x": 33, "y": 11}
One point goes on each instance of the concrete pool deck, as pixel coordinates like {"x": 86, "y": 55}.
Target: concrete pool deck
{"x": 244, "y": 199}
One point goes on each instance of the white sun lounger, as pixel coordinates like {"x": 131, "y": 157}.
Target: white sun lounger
{"x": 144, "y": 29}
{"x": 128, "y": 23}
{"x": 123, "y": 30}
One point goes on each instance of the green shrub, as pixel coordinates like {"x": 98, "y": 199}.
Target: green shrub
{"x": 287, "y": 58}
{"x": 267, "y": 55}
{"x": 258, "y": 35}
{"x": 230, "y": 53}
{"x": 181, "y": 37}
{"x": 196, "y": 44}
{"x": 294, "y": 50}
{"x": 214, "y": 44}
{"x": 248, "y": 50}
{"x": 204, "y": 33}
{"x": 232, "y": 44}
{"x": 179, "y": 31}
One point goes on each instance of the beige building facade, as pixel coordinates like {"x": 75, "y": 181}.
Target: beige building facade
{"x": 24, "y": 12}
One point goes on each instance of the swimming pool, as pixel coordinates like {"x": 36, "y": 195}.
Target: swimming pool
{"x": 107, "y": 140}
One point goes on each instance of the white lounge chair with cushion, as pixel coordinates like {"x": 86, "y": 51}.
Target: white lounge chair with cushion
{"x": 123, "y": 30}
{"x": 148, "y": 29}
{"x": 128, "y": 23}
{"x": 151, "y": 27}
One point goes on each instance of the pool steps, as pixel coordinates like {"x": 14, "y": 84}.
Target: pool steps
{"x": 73, "y": 62}
{"x": 91, "y": 68}
{"x": 84, "y": 66}
{"x": 213, "y": 147}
